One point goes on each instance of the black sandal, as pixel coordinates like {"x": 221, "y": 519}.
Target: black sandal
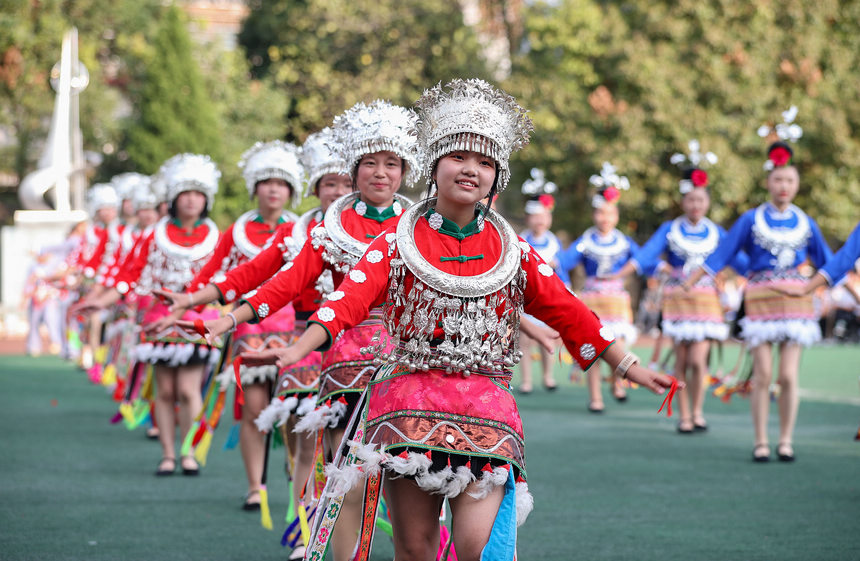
{"x": 165, "y": 472}
{"x": 252, "y": 506}
{"x": 785, "y": 456}
{"x": 761, "y": 458}
{"x": 190, "y": 471}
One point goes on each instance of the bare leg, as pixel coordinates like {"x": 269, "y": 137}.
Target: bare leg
{"x": 682, "y": 355}
{"x": 697, "y": 357}
{"x": 251, "y": 440}
{"x": 526, "y": 344}
{"x": 415, "y": 520}
{"x": 188, "y": 382}
{"x": 593, "y": 376}
{"x": 472, "y": 521}
{"x": 760, "y": 396}
{"x": 789, "y": 365}
{"x": 165, "y": 410}
{"x": 546, "y": 359}
{"x": 349, "y": 522}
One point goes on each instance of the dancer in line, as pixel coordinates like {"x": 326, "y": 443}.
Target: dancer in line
{"x": 538, "y": 211}
{"x": 179, "y": 245}
{"x": 380, "y": 155}
{"x": 778, "y": 237}
{"x": 603, "y": 250}
{"x": 439, "y": 418}
{"x": 692, "y": 319}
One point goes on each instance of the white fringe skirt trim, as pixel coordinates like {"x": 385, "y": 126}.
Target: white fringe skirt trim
{"x": 623, "y": 330}
{"x": 174, "y": 354}
{"x": 328, "y": 415}
{"x": 279, "y": 410}
{"x": 449, "y": 482}
{"x": 805, "y": 332}
{"x": 695, "y": 330}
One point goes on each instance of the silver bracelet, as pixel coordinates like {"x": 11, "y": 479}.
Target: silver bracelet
{"x": 235, "y": 321}
{"x": 629, "y": 360}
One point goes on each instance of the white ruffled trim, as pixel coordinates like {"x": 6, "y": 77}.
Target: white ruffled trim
{"x": 321, "y": 417}
{"x": 257, "y": 374}
{"x": 623, "y": 330}
{"x": 174, "y": 354}
{"x": 805, "y": 332}
{"x": 687, "y": 330}
{"x": 276, "y": 413}
{"x": 306, "y": 405}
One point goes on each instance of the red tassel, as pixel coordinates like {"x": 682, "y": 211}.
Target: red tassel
{"x": 429, "y": 455}
{"x": 667, "y": 401}
{"x": 487, "y": 467}
{"x": 237, "y": 362}
{"x": 199, "y": 327}
{"x": 342, "y": 399}
{"x": 328, "y": 402}
{"x": 404, "y": 455}
{"x": 449, "y": 460}
{"x": 520, "y": 479}
{"x": 507, "y": 467}
{"x": 201, "y": 430}
{"x": 282, "y": 397}
{"x": 469, "y": 464}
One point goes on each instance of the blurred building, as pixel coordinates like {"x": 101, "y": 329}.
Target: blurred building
{"x": 216, "y": 21}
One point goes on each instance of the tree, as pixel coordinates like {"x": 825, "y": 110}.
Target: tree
{"x": 174, "y": 113}
{"x": 329, "y": 54}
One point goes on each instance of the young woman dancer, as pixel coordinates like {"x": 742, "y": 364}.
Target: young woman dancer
{"x": 440, "y": 418}
{"x": 692, "y": 319}
{"x": 179, "y": 245}
{"x": 380, "y": 155}
{"x": 603, "y": 250}
{"x": 778, "y": 237}
{"x": 538, "y": 211}
{"x": 843, "y": 261}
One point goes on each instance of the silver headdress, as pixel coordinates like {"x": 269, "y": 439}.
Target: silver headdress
{"x": 320, "y": 158}
{"x": 692, "y": 165}
{"x": 540, "y": 192}
{"x": 779, "y": 153}
{"x": 158, "y": 186}
{"x": 273, "y": 160}
{"x": 609, "y": 185}
{"x": 144, "y": 198}
{"x": 471, "y": 115}
{"x": 126, "y": 184}
{"x": 190, "y": 172}
{"x": 101, "y": 195}
{"x": 365, "y": 129}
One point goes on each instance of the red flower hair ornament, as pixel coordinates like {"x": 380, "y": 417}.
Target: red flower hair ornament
{"x": 699, "y": 177}
{"x": 779, "y": 156}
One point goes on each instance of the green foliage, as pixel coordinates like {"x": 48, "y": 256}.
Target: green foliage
{"x": 175, "y": 110}
{"x": 659, "y": 73}
{"x": 330, "y": 54}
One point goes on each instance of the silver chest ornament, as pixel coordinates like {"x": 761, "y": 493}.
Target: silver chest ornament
{"x": 693, "y": 250}
{"x": 782, "y": 243}
{"x": 605, "y": 255}
{"x": 479, "y": 315}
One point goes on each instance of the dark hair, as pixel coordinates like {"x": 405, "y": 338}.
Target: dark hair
{"x": 171, "y": 211}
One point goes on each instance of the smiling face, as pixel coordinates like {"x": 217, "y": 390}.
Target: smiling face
{"x": 783, "y": 183}
{"x": 190, "y": 205}
{"x": 606, "y": 218}
{"x": 695, "y": 204}
{"x": 378, "y": 177}
{"x": 464, "y": 178}
{"x": 331, "y": 187}
{"x": 272, "y": 193}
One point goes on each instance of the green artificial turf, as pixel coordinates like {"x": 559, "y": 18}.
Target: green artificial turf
{"x": 622, "y": 485}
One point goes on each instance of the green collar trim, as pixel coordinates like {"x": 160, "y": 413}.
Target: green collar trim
{"x": 178, "y": 224}
{"x": 370, "y": 212}
{"x": 450, "y": 228}
{"x": 259, "y": 220}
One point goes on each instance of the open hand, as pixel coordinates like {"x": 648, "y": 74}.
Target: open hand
{"x": 159, "y": 325}
{"x": 176, "y": 300}
{"x": 282, "y": 357}
{"x": 651, "y": 379}
{"x": 211, "y": 329}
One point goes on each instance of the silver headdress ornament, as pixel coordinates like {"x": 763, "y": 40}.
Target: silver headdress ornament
{"x": 320, "y": 158}
{"x": 190, "y": 172}
{"x": 540, "y": 190}
{"x": 471, "y": 115}
{"x": 144, "y": 198}
{"x": 158, "y": 186}
{"x": 695, "y": 159}
{"x": 273, "y": 160}
{"x": 126, "y": 184}
{"x": 787, "y": 131}
{"x": 608, "y": 185}
{"x": 101, "y": 195}
{"x": 380, "y": 126}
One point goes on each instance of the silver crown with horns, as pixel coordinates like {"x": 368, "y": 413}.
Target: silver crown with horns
{"x": 126, "y": 184}
{"x": 376, "y": 127}
{"x": 101, "y": 195}
{"x": 321, "y": 156}
{"x": 190, "y": 172}
{"x": 273, "y": 160}
{"x": 471, "y": 115}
